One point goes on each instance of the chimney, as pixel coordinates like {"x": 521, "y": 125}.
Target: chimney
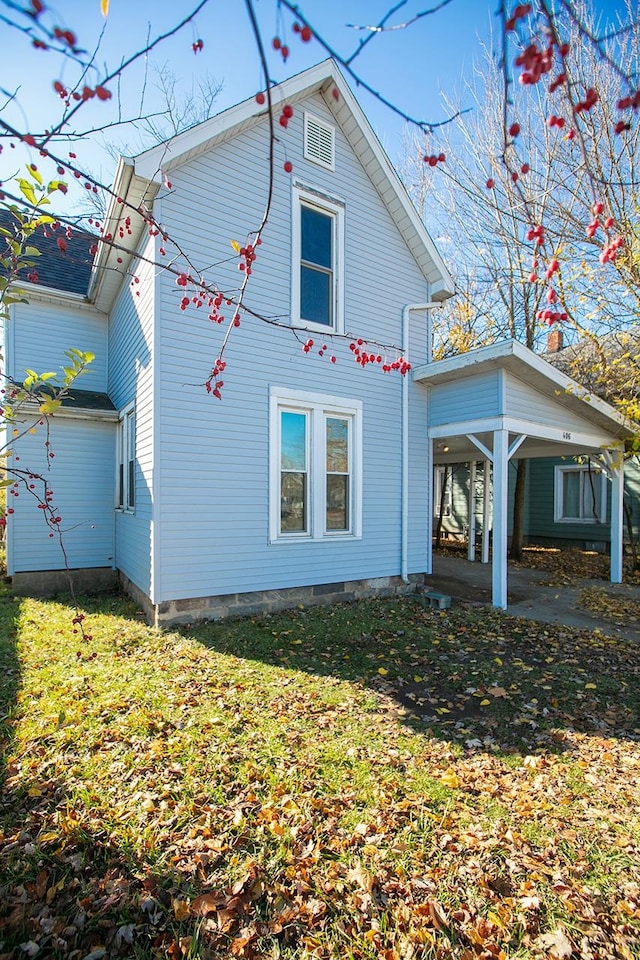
{"x": 554, "y": 339}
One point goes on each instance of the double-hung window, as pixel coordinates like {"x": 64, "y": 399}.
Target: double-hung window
{"x": 580, "y": 494}
{"x": 315, "y": 466}
{"x": 126, "y": 480}
{"x": 318, "y": 253}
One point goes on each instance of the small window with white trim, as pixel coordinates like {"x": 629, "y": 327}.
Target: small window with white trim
{"x": 317, "y": 267}
{"x": 580, "y": 494}
{"x": 126, "y": 486}
{"x": 316, "y": 455}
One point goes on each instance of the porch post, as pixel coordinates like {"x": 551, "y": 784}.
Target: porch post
{"x": 485, "y": 512}
{"x": 617, "y": 517}
{"x": 500, "y": 485}
{"x": 471, "y": 544}
{"x": 429, "y": 551}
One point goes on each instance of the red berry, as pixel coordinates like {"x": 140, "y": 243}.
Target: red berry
{"x": 514, "y": 129}
{"x": 275, "y": 43}
{"x": 305, "y": 34}
{"x": 287, "y": 111}
{"x": 260, "y": 98}
{"x": 288, "y": 166}
{"x": 490, "y": 183}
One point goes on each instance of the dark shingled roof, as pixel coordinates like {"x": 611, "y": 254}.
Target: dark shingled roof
{"x": 69, "y": 271}
{"x": 88, "y": 400}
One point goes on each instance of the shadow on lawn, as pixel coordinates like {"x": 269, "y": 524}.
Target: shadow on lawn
{"x": 9, "y": 672}
{"x": 477, "y": 676}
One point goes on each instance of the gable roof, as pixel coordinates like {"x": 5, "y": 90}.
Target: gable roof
{"x": 322, "y": 79}
{"x": 67, "y": 271}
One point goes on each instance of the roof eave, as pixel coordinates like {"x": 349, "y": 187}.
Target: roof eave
{"x": 130, "y": 194}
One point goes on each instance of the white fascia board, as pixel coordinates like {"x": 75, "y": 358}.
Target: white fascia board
{"x": 322, "y": 78}
{"x": 166, "y": 156}
{"x": 41, "y": 294}
{"x": 444, "y": 286}
{"x": 31, "y": 409}
{"x": 107, "y": 274}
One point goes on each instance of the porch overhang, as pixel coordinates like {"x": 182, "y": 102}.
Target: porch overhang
{"x": 498, "y": 401}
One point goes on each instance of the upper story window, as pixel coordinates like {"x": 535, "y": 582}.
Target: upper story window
{"x": 317, "y": 268}
{"x": 126, "y": 487}
{"x": 580, "y": 494}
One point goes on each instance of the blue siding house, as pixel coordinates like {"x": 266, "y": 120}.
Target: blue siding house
{"x": 311, "y": 481}
{"x": 308, "y": 482}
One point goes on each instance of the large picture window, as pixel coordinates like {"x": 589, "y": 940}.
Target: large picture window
{"x": 317, "y": 251}
{"x": 580, "y": 494}
{"x": 315, "y": 466}
{"x": 126, "y": 486}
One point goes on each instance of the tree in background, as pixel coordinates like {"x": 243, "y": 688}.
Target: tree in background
{"x": 526, "y": 216}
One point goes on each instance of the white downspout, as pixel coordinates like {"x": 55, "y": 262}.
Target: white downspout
{"x": 404, "y": 522}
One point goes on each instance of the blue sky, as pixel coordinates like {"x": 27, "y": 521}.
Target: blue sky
{"x": 409, "y": 67}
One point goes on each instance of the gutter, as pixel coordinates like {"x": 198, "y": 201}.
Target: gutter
{"x": 404, "y": 522}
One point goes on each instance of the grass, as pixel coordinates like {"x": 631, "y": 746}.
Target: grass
{"x": 370, "y": 780}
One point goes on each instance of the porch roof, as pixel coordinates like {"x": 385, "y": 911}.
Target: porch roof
{"x": 507, "y": 386}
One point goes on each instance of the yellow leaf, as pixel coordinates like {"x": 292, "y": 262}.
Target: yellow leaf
{"x": 382, "y": 671}
{"x": 236, "y": 246}
{"x": 50, "y": 406}
{"x": 591, "y": 686}
{"x": 450, "y": 778}
{"x": 485, "y": 702}
{"x": 181, "y": 909}
{"x": 498, "y": 661}
{"x": 417, "y": 679}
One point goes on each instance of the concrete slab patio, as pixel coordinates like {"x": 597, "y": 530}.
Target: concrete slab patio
{"x": 533, "y": 595}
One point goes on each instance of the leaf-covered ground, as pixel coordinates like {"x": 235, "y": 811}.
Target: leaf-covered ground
{"x": 377, "y": 780}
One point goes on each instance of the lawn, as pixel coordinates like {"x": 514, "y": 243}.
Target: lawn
{"x": 376, "y": 780}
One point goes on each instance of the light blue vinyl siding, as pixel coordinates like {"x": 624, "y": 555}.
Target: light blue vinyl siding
{"x": 474, "y": 398}
{"x": 41, "y": 332}
{"x": 81, "y": 475}
{"x": 528, "y": 404}
{"x": 131, "y": 381}
{"x": 212, "y": 462}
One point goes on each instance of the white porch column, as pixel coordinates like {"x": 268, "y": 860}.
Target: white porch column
{"x": 500, "y": 503}
{"x": 471, "y": 547}
{"x": 485, "y": 512}
{"x": 617, "y": 520}
{"x": 430, "y": 487}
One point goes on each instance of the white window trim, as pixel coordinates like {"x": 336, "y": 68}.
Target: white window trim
{"x": 123, "y": 458}
{"x": 560, "y": 470}
{"x": 301, "y": 196}
{"x": 438, "y": 477}
{"x": 318, "y": 407}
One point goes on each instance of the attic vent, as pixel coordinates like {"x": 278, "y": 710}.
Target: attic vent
{"x": 319, "y": 141}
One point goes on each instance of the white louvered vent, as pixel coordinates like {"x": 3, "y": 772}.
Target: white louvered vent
{"x": 319, "y": 141}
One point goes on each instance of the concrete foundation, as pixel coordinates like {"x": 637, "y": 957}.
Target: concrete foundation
{"x": 173, "y": 612}
{"x": 49, "y": 583}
